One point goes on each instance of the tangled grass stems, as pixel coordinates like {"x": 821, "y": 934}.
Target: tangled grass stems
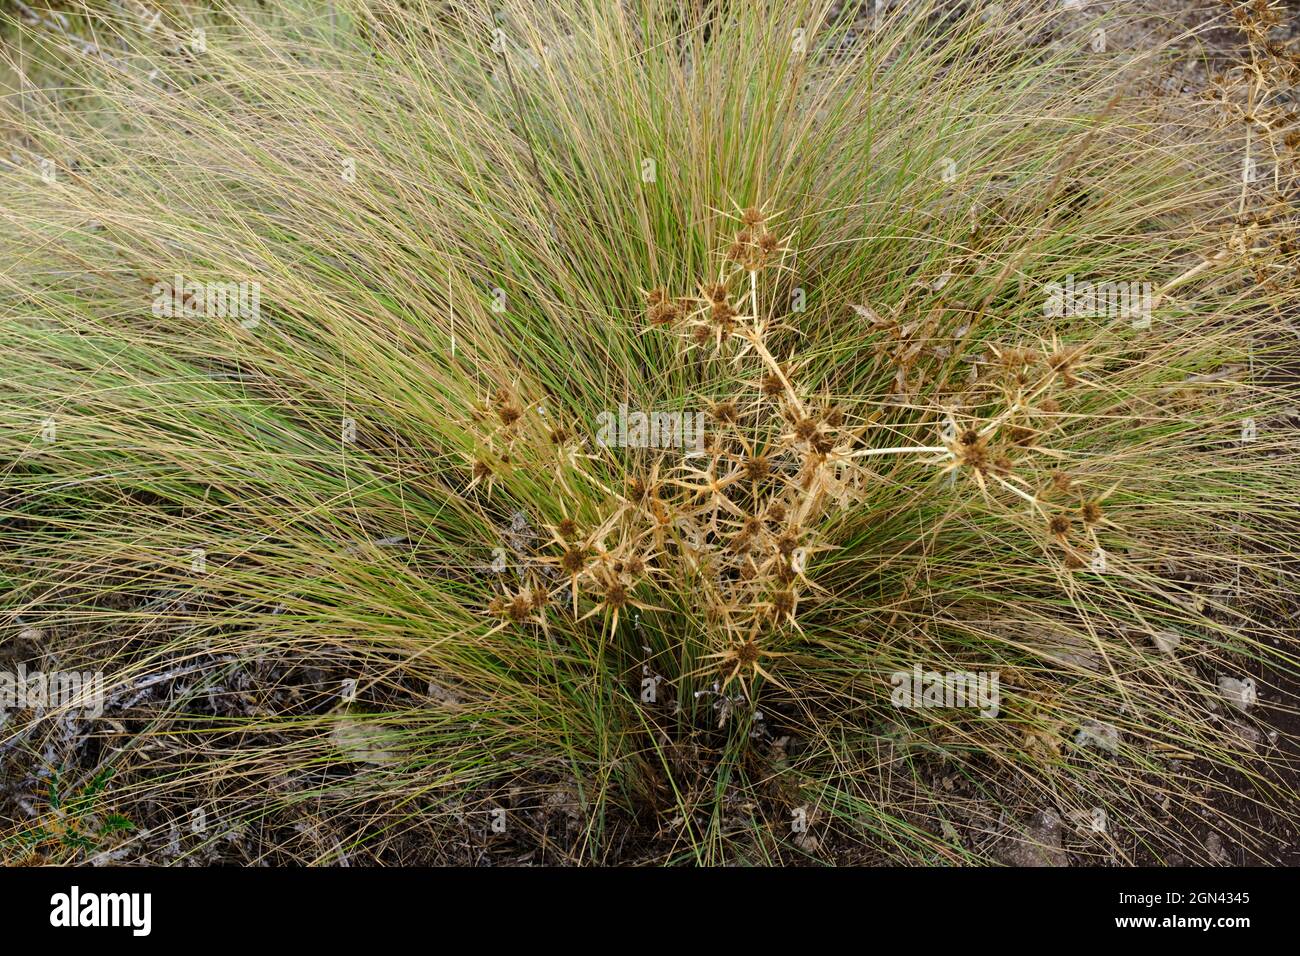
{"x": 473, "y": 231}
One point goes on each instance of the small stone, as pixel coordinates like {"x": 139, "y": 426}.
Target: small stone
{"x": 1239, "y": 693}
{"x": 1166, "y": 641}
{"x": 807, "y": 842}
{"x": 1037, "y": 844}
{"x": 1099, "y": 734}
{"x": 1089, "y": 821}
{"x": 1214, "y": 846}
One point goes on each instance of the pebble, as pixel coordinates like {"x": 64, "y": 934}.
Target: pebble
{"x": 1037, "y": 844}
{"x": 1099, "y": 734}
{"x": 1239, "y": 693}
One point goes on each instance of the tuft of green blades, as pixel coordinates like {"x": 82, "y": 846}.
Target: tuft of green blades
{"x": 440, "y": 201}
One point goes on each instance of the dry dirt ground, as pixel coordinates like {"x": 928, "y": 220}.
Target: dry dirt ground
{"x": 1033, "y": 834}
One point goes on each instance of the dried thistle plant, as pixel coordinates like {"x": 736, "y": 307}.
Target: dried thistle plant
{"x": 743, "y": 519}
{"x": 479, "y": 227}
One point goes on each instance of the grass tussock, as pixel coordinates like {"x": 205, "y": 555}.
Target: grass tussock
{"x": 399, "y": 573}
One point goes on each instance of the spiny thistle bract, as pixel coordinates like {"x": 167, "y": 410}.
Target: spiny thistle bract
{"x": 843, "y": 274}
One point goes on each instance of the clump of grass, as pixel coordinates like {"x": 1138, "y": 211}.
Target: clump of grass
{"x": 474, "y": 232}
